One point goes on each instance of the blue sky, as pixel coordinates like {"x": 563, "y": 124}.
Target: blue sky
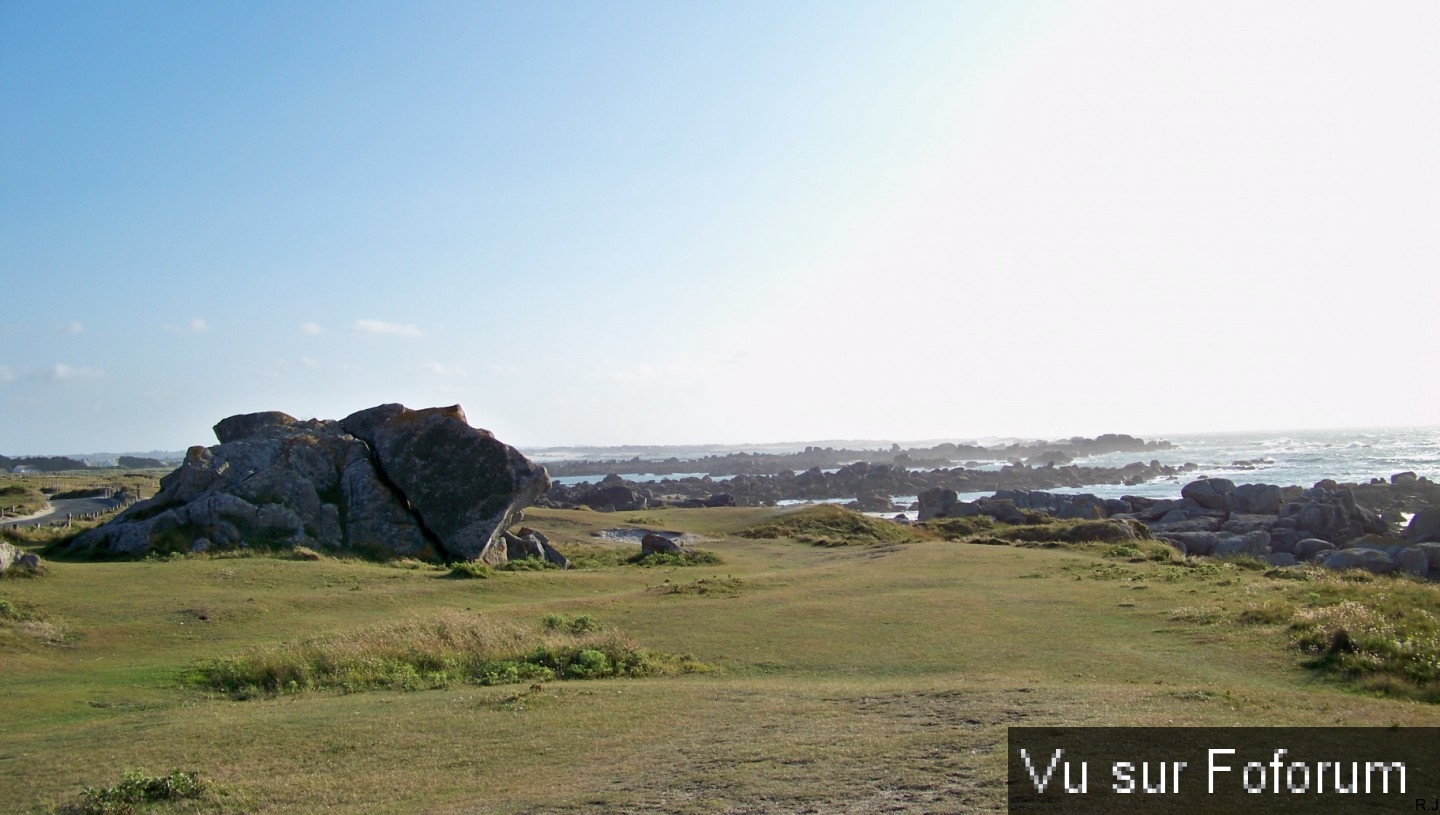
{"x": 680, "y": 222}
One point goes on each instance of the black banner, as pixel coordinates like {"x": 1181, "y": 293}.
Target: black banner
{"x": 1320, "y": 770}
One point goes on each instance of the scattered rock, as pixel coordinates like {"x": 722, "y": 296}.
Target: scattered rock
{"x": 17, "y": 560}
{"x": 526, "y": 544}
{"x": 656, "y": 544}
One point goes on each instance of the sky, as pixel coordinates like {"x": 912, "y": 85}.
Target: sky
{"x": 652, "y": 222}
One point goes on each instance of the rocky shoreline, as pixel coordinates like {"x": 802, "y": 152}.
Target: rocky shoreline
{"x": 1340, "y": 526}
{"x": 1033, "y": 453}
{"x": 870, "y": 485}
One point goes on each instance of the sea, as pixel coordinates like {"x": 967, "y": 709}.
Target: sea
{"x": 1300, "y": 457}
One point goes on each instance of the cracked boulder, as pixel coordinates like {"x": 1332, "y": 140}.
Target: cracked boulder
{"x": 387, "y": 481}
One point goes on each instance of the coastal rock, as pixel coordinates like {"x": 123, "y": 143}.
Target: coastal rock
{"x": 1308, "y": 548}
{"x": 1405, "y": 479}
{"x": 1331, "y": 515}
{"x": 936, "y": 503}
{"x": 1370, "y": 560}
{"x": 1256, "y": 499}
{"x": 1414, "y": 561}
{"x": 1194, "y": 543}
{"x": 1424, "y": 527}
{"x": 1432, "y": 553}
{"x": 465, "y": 486}
{"x": 1210, "y": 493}
{"x": 246, "y": 425}
{"x": 1280, "y": 559}
{"x": 526, "y": 544}
{"x": 388, "y": 481}
{"x": 612, "y": 494}
{"x": 656, "y": 544}
{"x": 376, "y": 519}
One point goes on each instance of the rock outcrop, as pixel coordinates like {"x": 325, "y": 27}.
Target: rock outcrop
{"x": 1327, "y": 524}
{"x": 17, "y": 560}
{"x": 387, "y": 481}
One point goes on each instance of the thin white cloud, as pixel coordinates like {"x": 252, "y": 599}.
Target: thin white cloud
{"x": 60, "y": 372}
{"x": 310, "y": 362}
{"x": 72, "y": 328}
{"x": 6, "y": 375}
{"x": 195, "y": 325}
{"x": 438, "y": 369}
{"x": 385, "y": 329}
{"x": 311, "y": 329}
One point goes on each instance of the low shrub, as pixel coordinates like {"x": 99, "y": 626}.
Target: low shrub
{"x": 694, "y": 557}
{"x": 470, "y": 570}
{"x": 136, "y": 789}
{"x": 704, "y": 587}
{"x": 828, "y": 524}
{"x": 951, "y": 529}
{"x": 582, "y": 624}
{"x": 1360, "y": 641}
{"x": 529, "y": 564}
{"x": 438, "y": 652}
{"x": 1077, "y": 532}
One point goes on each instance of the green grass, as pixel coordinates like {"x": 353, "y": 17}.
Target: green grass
{"x": 831, "y": 525}
{"x": 437, "y": 652}
{"x": 859, "y": 678}
{"x": 704, "y": 587}
{"x": 470, "y": 570}
{"x": 694, "y": 557}
{"x": 136, "y": 790}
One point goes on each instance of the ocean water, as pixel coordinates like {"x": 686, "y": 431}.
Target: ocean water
{"x": 1301, "y": 457}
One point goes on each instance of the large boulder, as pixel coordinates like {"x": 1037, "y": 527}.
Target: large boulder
{"x": 246, "y": 425}
{"x": 1210, "y": 493}
{"x": 1308, "y": 548}
{"x": 1256, "y": 499}
{"x": 1414, "y": 561}
{"x": 936, "y": 503}
{"x": 1424, "y": 527}
{"x": 388, "y": 481}
{"x": 17, "y": 560}
{"x": 1331, "y": 515}
{"x": 656, "y": 544}
{"x": 1371, "y": 560}
{"x": 465, "y": 486}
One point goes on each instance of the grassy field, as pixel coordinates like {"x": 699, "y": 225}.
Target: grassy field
{"x": 865, "y": 678}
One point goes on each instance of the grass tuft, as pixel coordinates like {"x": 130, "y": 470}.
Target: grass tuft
{"x": 1389, "y": 648}
{"x": 704, "y": 587}
{"x": 696, "y": 557}
{"x": 138, "y": 789}
{"x": 831, "y": 525}
{"x": 470, "y": 570}
{"x": 438, "y": 652}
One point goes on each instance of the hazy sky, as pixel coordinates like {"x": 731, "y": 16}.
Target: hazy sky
{"x": 622, "y": 222}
